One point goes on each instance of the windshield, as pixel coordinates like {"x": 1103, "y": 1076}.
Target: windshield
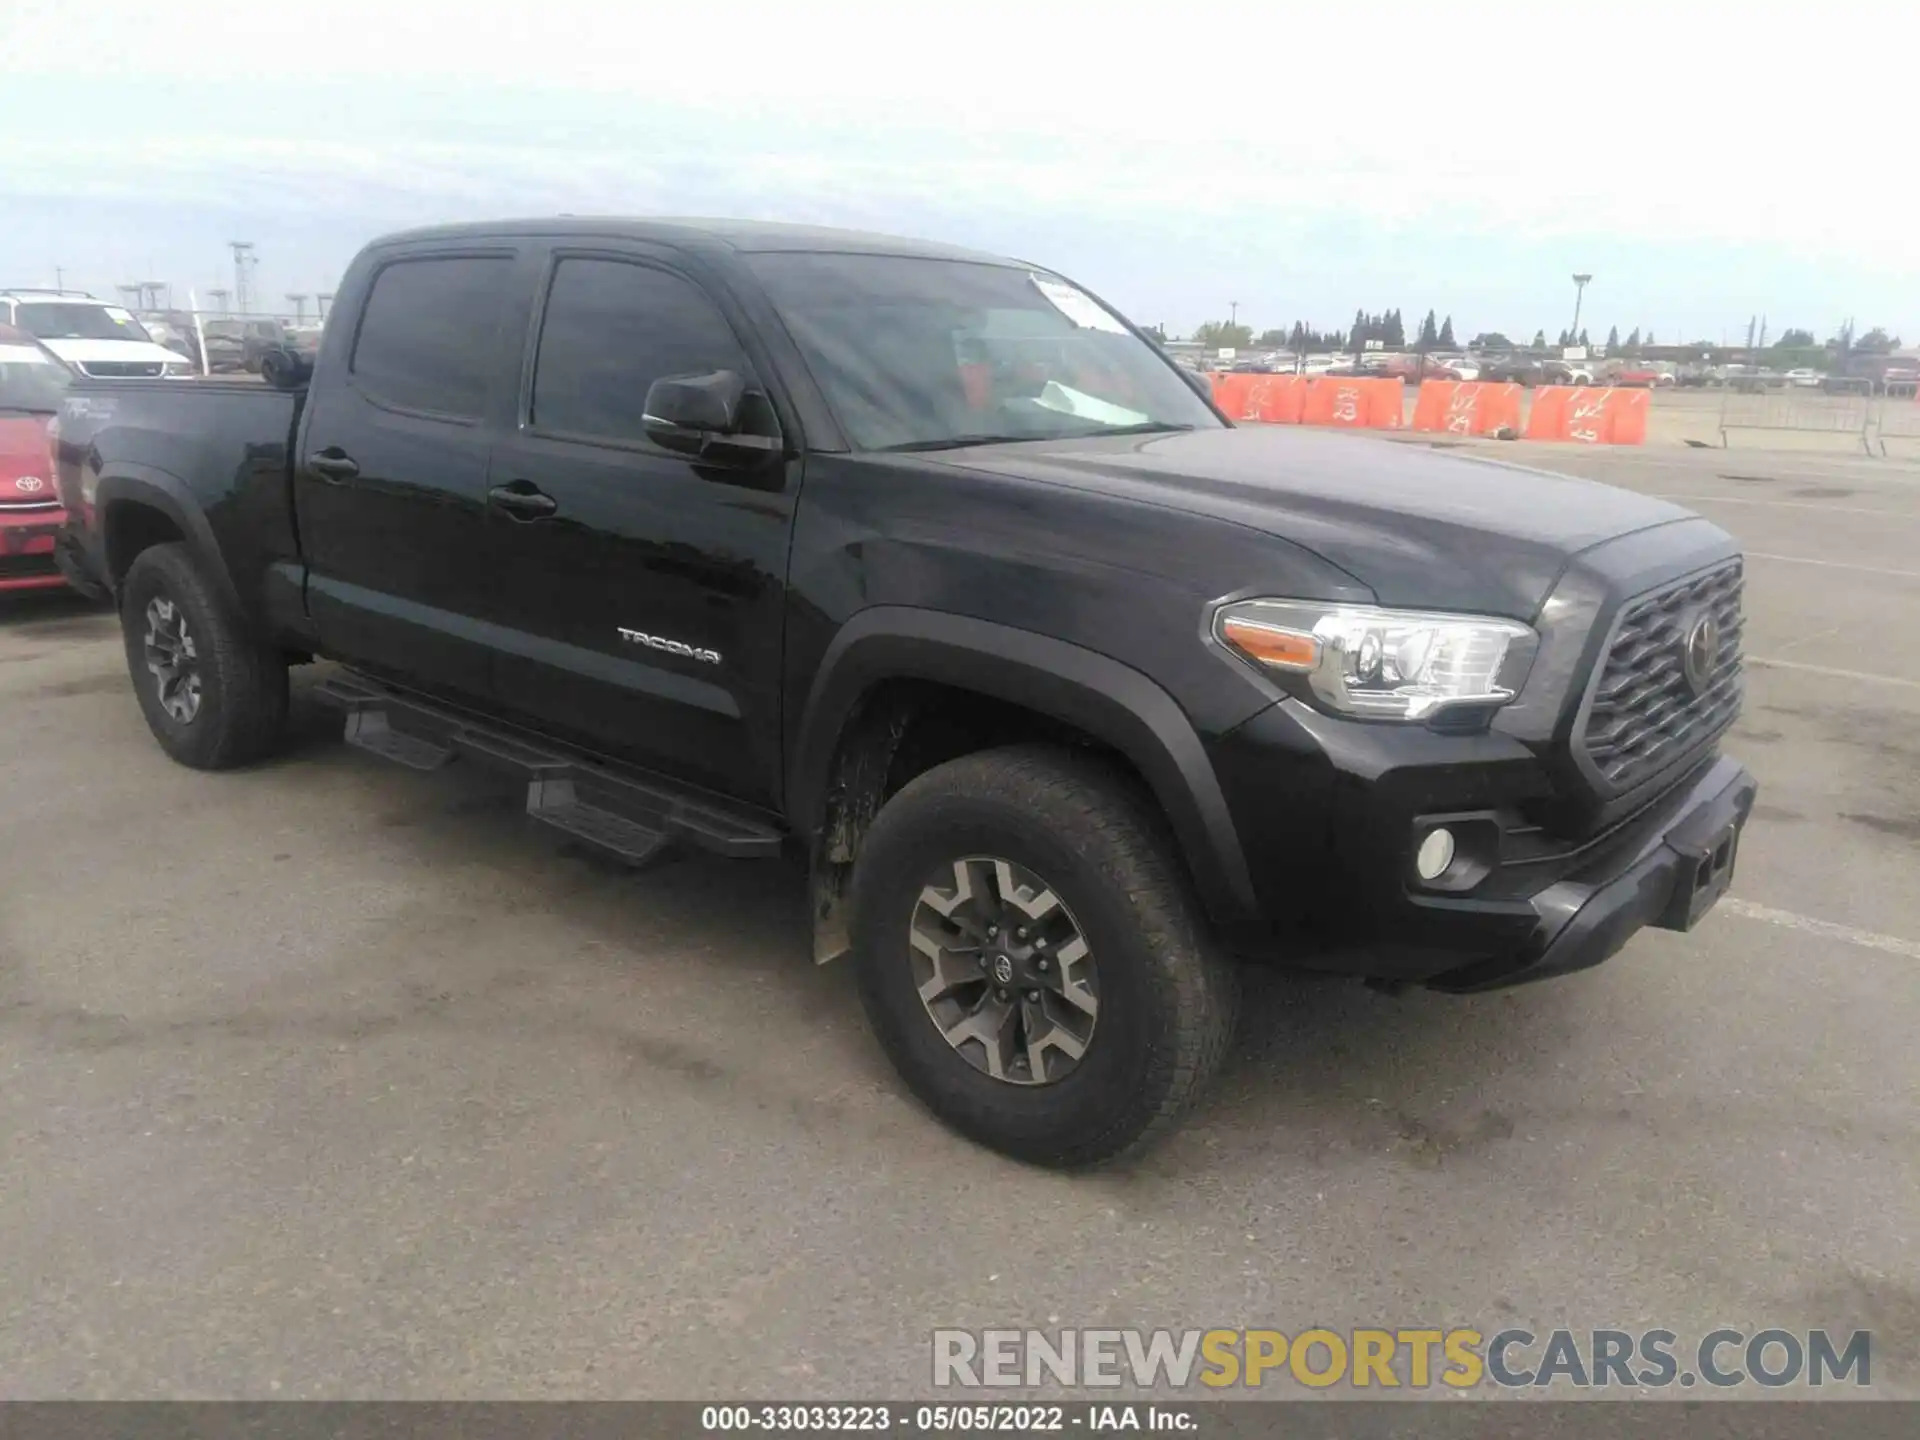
{"x": 68, "y": 321}
{"x": 923, "y": 354}
{"x": 29, "y": 380}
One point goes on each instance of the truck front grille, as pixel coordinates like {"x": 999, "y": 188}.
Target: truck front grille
{"x": 1652, "y": 706}
{"x": 120, "y": 369}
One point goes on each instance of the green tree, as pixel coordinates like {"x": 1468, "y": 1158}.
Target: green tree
{"x": 1155, "y": 332}
{"x": 1876, "y": 342}
{"x": 1429, "y": 333}
{"x": 1613, "y": 337}
{"x": 1539, "y": 339}
{"x": 1271, "y": 339}
{"x": 1633, "y": 342}
{"x": 1794, "y": 339}
{"x": 1650, "y": 339}
{"x": 1220, "y": 335}
{"x": 1396, "y": 331}
{"x": 1447, "y": 342}
{"x": 1583, "y": 338}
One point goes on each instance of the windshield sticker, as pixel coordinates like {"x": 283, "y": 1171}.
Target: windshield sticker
{"x": 1078, "y": 306}
{"x": 1065, "y": 400}
{"x": 119, "y": 316}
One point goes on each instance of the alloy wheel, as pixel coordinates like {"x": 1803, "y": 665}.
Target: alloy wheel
{"x": 1004, "y": 971}
{"x": 173, "y": 659}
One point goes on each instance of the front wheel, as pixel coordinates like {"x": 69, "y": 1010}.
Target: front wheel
{"x": 212, "y": 695}
{"x": 1032, "y": 959}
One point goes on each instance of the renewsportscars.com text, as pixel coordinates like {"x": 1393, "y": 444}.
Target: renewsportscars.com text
{"x": 1458, "y": 1359}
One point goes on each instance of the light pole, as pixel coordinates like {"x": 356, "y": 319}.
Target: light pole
{"x": 1579, "y": 289}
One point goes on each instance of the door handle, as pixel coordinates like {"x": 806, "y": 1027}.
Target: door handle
{"x": 333, "y": 465}
{"x": 522, "y": 501}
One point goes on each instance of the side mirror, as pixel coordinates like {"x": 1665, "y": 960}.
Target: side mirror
{"x": 702, "y": 416}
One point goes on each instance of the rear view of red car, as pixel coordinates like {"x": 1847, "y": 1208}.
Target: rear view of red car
{"x": 31, "y": 385}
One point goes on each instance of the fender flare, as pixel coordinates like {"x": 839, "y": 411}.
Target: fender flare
{"x": 1116, "y": 704}
{"x": 125, "y": 481}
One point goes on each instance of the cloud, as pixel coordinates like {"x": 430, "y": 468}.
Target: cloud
{"x": 1441, "y": 145}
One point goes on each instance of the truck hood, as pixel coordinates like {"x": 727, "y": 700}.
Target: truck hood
{"x": 85, "y": 352}
{"x": 1418, "y": 527}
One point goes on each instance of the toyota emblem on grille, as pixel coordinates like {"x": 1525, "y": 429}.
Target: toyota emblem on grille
{"x": 29, "y": 483}
{"x": 1699, "y": 652}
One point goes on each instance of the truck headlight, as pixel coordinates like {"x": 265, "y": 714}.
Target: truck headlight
{"x": 177, "y": 369}
{"x": 1381, "y": 664}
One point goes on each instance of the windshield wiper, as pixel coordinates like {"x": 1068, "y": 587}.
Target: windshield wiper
{"x": 1149, "y": 427}
{"x": 30, "y": 409}
{"x": 959, "y": 442}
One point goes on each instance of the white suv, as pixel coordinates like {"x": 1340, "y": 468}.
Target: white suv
{"x": 98, "y": 340}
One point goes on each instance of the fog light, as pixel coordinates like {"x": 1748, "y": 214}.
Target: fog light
{"x": 1435, "y": 854}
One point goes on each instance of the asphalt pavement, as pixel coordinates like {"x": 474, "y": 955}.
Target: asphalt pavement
{"x": 329, "y": 1079}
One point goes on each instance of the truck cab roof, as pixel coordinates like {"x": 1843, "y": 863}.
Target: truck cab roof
{"x": 745, "y": 236}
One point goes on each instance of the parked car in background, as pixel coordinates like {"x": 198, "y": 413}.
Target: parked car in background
{"x": 32, "y": 384}
{"x": 1517, "y": 370}
{"x": 1567, "y": 372}
{"x": 241, "y": 344}
{"x": 1463, "y": 369}
{"x": 1804, "y": 378}
{"x": 174, "y": 331}
{"x": 1642, "y": 374}
{"x": 1752, "y": 381}
{"x": 1902, "y": 380}
{"x": 292, "y": 361}
{"x": 101, "y": 341}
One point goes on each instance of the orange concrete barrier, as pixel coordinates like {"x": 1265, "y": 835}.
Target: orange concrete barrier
{"x": 1358, "y": 403}
{"x": 1362, "y": 402}
{"x": 1463, "y": 407}
{"x": 1269, "y": 399}
{"x": 1589, "y": 417}
{"x": 1278, "y": 399}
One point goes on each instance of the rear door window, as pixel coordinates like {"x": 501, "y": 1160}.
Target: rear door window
{"x": 428, "y": 338}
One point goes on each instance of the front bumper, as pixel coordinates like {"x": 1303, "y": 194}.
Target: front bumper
{"x": 27, "y": 538}
{"x": 1675, "y": 877}
{"x": 1329, "y": 813}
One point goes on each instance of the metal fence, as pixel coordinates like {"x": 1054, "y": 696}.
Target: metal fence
{"x": 1898, "y": 420}
{"x": 1847, "y": 409}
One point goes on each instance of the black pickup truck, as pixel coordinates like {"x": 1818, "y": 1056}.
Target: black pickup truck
{"x": 927, "y": 567}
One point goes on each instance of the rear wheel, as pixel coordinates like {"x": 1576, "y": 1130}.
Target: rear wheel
{"x": 212, "y": 695}
{"x": 1032, "y": 959}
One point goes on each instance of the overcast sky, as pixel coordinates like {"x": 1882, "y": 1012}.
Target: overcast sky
{"x": 1704, "y": 163}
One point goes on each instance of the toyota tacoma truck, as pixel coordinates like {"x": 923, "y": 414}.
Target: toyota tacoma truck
{"x": 928, "y": 568}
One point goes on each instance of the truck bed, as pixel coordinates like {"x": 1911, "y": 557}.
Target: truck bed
{"x": 221, "y": 447}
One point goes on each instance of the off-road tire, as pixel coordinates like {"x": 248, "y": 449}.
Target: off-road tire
{"x": 1168, "y": 997}
{"x": 242, "y": 709}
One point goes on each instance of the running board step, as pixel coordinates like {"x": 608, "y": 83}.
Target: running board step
{"x": 557, "y": 803}
{"x": 370, "y": 731}
{"x": 628, "y": 814}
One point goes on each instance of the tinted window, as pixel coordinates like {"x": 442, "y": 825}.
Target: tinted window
{"x": 427, "y": 339}
{"x": 611, "y": 330}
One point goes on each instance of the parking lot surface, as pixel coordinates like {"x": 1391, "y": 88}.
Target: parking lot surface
{"x": 332, "y": 1079}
